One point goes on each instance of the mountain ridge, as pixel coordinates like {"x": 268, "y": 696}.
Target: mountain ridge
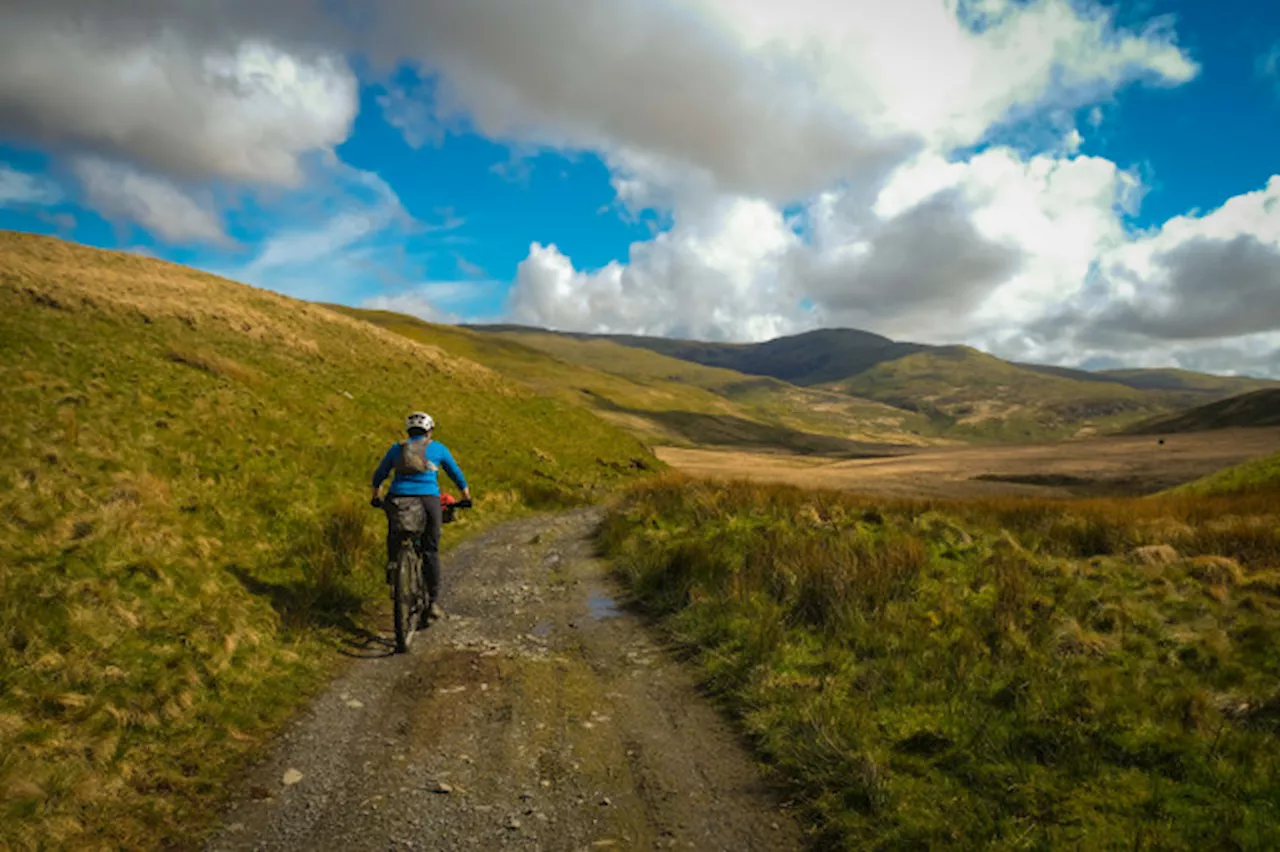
{"x": 875, "y": 349}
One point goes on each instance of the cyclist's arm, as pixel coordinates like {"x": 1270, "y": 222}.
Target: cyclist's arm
{"x": 384, "y": 469}
{"x": 455, "y": 473}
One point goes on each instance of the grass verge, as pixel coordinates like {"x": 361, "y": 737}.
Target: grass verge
{"x": 1001, "y": 674}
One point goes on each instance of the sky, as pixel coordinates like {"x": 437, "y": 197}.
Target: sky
{"x": 1064, "y": 181}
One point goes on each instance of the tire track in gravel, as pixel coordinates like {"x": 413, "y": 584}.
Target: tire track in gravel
{"x": 536, "y": 716}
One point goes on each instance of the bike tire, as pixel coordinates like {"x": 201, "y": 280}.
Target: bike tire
{"x": 405, "y": 595}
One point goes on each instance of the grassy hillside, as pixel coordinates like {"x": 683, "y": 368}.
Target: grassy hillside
{"x": 961, "y": 393}
{"x": 1257, "y": 409}
{"x": 1187, "y": 381}
{"x": 669, "y": 401}
{"x": 183, "y": 525}
{"x": 989, "y": 675}
{"x": 977, "y": 396}
{"x": 1257, "y": 476}
{"x": 768, "y": 400}
{"x": 811, "y": 358}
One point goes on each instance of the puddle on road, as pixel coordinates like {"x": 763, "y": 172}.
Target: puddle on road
{"x": 542, "y": 630}
{"x": 602, "y": 606}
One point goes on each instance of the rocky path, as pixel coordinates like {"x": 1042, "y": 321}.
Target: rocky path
{"x": 536, "y": 716}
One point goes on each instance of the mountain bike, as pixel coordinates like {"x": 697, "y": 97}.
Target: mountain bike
{"x": 404, "y": 575}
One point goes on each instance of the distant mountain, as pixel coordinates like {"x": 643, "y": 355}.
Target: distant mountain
{"x": 812, "y": 358}
{"x": 832, "y": 355}
{"x": 964, "y": 393}
{"x": 1256, "y": 409}
{"x": 668, "y": 400}
{"x": 1187, "y": 381}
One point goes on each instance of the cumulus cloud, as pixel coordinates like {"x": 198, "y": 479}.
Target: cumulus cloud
{"x": 1203, "y": 288}
{"x": 649, "y": 75}
{"x": 717, "y": 274}
{"x": 949, "y": 71}
{"x": 954, "y": 250}
{"x": 122, "y": 192}
{"x": 172, "y": 95}
{"x": 917, "y": 272}
{"x": 19, "y": 189}
{"x": 1199, "y": 291}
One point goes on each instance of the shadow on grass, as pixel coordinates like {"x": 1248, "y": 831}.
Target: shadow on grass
{"x": 301, "y": 606}
{"x": 726, "y": 430}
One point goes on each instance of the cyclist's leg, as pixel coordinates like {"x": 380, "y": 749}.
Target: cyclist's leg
{"x": 393, "y": 532}
{"x": 431, "y": 547}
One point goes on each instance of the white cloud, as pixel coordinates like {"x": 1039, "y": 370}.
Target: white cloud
{"x": 946, "y": 251}
{"x": 159, "y": 206}
{"x": 1196, "y": 278}
{"x": 717, "y": 274}
{"x": 18, "y": 188}
{"x": 169, "y": 90}
{"x": 917, "y": 66}
{"x": 645, "y": 75}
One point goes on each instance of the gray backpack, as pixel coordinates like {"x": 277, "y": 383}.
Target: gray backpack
{"x": 413, "y": 458}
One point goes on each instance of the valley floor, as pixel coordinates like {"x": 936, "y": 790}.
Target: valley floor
{"x": 538, "y": 715}
{"x": 1128, "y": 465}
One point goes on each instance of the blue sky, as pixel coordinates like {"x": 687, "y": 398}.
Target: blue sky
{"x": 1038, "y": 186}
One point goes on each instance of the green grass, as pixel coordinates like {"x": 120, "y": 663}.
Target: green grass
{"x": 1003, "y": 674}
{"x": 182, "y": 521}
{"x": 1259, "y": 475}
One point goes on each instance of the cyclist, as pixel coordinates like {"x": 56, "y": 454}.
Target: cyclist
{"x": 413, "y": 500}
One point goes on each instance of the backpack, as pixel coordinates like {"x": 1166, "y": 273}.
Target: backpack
{"x": 413, "y": 459}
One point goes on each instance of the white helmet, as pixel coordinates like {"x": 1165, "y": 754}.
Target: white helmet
{"x": 419, "y": 420}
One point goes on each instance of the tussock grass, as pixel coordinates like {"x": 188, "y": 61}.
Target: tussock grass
{"x": 1005, "y": 674}
{"x": 184, "y": 540}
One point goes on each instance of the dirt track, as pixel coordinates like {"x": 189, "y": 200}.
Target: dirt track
{"x": 537, "y": 716}
{"x": 1128, "y": 465}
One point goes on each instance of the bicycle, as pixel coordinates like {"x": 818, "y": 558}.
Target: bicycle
{"x": 404, "y": 575}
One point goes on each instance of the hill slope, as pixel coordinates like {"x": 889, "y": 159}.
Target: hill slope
{"x": 979, "y": 396}
{"x": 1259, "y": 475}
{"x": 1187, "y": 381}
{"x": 670, "y": 401}
{"x": 183, "y": 525}
{"x": 811, "y": 358}
{"x": 965, "y": 394}
{"x": 1255, "y": 409}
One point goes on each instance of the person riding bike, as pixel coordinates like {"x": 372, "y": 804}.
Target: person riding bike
{"x": 413, "y": 500}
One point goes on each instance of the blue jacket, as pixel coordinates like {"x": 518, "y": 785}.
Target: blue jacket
{"x": 418, "y": 484}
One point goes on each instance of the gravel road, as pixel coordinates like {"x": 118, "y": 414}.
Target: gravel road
{"x": 538, "y": 715}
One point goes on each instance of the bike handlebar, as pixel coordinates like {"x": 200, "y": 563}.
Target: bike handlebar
{"x": 377, "y": 502}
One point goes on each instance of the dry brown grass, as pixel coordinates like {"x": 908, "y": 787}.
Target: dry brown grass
{"x": 1124, "y": 465}
{"x": 70, "y": 277}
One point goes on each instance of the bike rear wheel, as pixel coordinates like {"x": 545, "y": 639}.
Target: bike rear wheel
{"x": 406, "y": 597}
